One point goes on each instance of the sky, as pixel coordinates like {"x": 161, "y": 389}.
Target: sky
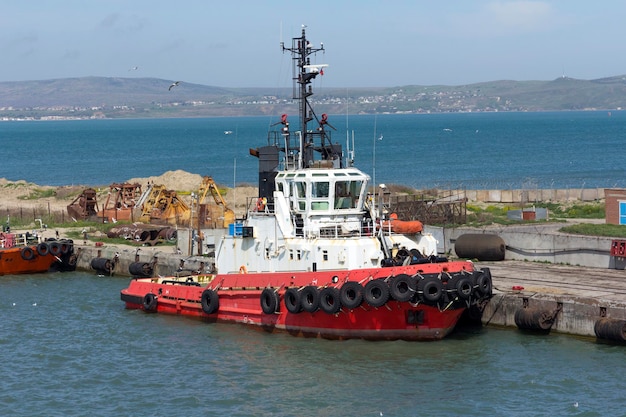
{"x": 368, "y": 43}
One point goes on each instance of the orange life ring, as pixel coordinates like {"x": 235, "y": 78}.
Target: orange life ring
{"x": 243, "y": 269}
{"x": 260, "y": 204}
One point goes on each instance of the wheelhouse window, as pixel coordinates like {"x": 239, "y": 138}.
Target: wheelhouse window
{"x": 347, "y": 194}
{"x": 320, "y": 191}
{"x": 301, "y": 194}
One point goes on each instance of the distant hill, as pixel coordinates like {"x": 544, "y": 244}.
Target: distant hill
{"x": 94, "y": 91}
{"x": 89, "y": 97}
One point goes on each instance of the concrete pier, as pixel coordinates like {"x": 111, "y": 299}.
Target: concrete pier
{"x": 165, "y": 259}
{"x": 579, "y": 296}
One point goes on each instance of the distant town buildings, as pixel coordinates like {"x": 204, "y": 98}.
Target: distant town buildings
{"x": 412, "y": 99}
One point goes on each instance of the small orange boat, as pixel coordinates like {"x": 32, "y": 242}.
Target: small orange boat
{"x": 19, "y": 255}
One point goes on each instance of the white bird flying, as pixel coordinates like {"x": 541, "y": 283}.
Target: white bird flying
{"x": 174, "y": 84}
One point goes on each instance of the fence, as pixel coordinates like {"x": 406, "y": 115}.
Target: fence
{"x": 38, "y": 215}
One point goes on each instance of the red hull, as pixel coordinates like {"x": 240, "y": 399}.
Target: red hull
{"x": 240, "y": 301}
{"x": 52, "y": 255}
{"x": 24, "y": 260}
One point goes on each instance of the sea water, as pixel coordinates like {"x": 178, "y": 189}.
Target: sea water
{"x": 68, "y": 347}
{"x": 470, "y": 150}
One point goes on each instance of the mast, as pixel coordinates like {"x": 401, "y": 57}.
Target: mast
{"x": 310, "y": 140}
{"x": 303, "y": 73}
{"x": 306, "y": 147}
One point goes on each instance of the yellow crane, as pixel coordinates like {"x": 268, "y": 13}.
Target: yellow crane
{"x": 162, "y": 206}
{"x": 219, "y": 215}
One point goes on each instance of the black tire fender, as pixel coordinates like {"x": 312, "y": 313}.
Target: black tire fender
{"x": 376, "y": 293}
{"x": 330, "y": 300}
{"x": 402, "y": 287}
{"x": 27, "y": 253}
{"x": 42, "y": 249}
{"x": 431, "y": 289}
{"x": 464, "y": 288}
{"x": 55, "y": 248}
{"x": 210, "y": 301}
{"x": 293, "y": 301}
{"x": 65, "y": 248}
{"x": 351, "y": 294}
{"x": 150, "y": 302}
{"x": 483, "y": 282}
{"x": 310, "y": 298}
{"x": 270, "y": 301}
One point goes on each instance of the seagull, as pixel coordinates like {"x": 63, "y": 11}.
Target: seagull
{"x": 133, "y": 69}
{"x": 174, "y": 84}
{"x": 381, "y": 137}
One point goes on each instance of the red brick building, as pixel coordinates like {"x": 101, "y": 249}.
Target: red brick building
{"x": 615, "y": 205}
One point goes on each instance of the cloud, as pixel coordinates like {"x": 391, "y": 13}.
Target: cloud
{"x": 71, "y": 54}
{"x": 519, "y": 15}
{"x": 21, "y": 45}
{"x": 119, "y": 22}
{"x": 110, "y": 20}
{"x": 21, "y": 41}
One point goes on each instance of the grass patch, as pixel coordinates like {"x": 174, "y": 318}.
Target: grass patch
{"x": 492, "y": 214}
{"x": 607, "y": 230}
{"x": 575, "y": 211}
{"x": 38, "y": 193}
{"x": 496, "y": 213}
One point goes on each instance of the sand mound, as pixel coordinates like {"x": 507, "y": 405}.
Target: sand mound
{"x": 25, "y": 195}
{"x": 178, "y": 180}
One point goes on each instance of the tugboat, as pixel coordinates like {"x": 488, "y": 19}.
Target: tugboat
{"x": 20, "y": 254}
{"x": 314, "y": 255}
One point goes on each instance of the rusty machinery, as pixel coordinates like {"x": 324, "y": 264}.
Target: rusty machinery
{"x": 212, "y": 216}
{"x": 121, "y": 200}
{"x": 162, "y": 206}
{"x": 84, "y": 206}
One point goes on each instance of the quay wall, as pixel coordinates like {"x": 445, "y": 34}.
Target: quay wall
{"x": 521, "y": 196}
{"x": 573, "y": 314}
{"x": 542, "y": 244}
{"x": 166, "y": 261}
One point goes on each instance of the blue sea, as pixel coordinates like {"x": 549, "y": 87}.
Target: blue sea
{"x": 471, "y": 150}
{"x": 69, "y": 348}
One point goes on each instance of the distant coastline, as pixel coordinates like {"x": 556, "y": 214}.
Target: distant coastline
{"x": 115, "y": 98}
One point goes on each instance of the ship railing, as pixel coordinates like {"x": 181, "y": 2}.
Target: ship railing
{"x": 292, "y": 145}
{"x": 259, "y": 206}
{"x": 335, "y": 231}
